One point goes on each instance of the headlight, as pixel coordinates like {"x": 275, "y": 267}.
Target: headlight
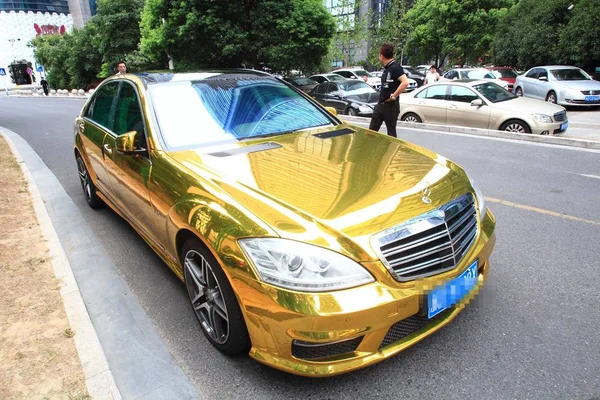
{"x": 365, "y": 109}
{"x": 542, "y": 118}
{"x": 303, "y": 267}
{"x": 479, "y": 196}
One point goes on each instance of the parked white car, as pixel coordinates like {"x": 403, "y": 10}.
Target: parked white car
{"x": 560, "y": 84}
{"x": 474, "y": 73}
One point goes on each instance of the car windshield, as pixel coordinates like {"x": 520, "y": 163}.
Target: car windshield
{"x": 479, "y": 74}
{"x": 504, "y": 73}
{"x": 361, "y": 73}
{"x": 335, "y": 78}
{"x": 224, "y": 107}
{"x": 493, "y": 92}
{"x": 570, "y": 74}
{"x": 303, "y": 81}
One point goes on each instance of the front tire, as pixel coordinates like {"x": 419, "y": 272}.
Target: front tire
{"x": 551, "y": 97}
{"x": 411, "y": 117}
{"x": 213, "y": 300}
{"x": 519, "y": 92}
{"x": 352, "y": 112}
{"x": 89, "y": 189}
{"x": 516, "y": 126}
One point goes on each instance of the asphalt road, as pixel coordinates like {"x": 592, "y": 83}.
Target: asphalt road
{"x": 531, "y": 333}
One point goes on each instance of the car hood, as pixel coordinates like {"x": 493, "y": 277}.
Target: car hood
{"x": 328, "y": 187}
{"x": 580, "y": 85}
{"x": 529, "y": 105}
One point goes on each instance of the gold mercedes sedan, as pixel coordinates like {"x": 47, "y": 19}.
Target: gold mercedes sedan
{"x": 482, "y": 104}
{"x": 315, "y": 246}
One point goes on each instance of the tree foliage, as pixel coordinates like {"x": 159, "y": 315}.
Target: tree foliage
{"x": 281, "y": 35}
{"x": 580, "y": 39}
{"x": 529, "y": 33}
{"x": 461, "y": 29}
{"x": 84, "y": 56}
{"x": 351, "y": 31}
{"x": 390, "y": 29}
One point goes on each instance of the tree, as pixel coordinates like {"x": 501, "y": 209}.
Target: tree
{"x": 117, "y": 33}
{"x": 390, "y": 29}
{"x": 280, "y": 35}
{"x": 579, "y": 41}
{"x": 352, "y": 29}
{"x": 529, "y": 33}
{"x": 462, "y": 28}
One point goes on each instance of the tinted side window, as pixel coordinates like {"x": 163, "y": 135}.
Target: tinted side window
{"x": 332, "y": 88}
{"x": 103, "y": 101}
{"x": 345, "y": 74}
{"x": 437, "y": 92}
{"x": 319, "y": 79}
{"x": 533, "y": 73}
{"x": 320, "y": 89}
{"x": 462, "y": 94}
{"x": 128, "y": 114}
{"x": 543, "y": 72}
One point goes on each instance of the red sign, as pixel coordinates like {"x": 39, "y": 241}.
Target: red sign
{"x": 49, "y": 29}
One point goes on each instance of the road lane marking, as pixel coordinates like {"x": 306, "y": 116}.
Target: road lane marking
{"x": 541, "y": 211}
{"x": 590, "y": 176}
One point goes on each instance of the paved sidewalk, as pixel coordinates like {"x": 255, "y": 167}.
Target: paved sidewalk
{"x": 122, "y": 354}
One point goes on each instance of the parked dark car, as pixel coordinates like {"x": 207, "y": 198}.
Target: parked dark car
{"x": 414, "y": 74}
{"x": 304, "y": 84}
{"x": 350, "y": 97}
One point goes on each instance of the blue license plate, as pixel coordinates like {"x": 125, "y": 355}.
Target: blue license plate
{"x": 563, "y": 127}
{"x": 592, "y": 98}
{"x": 451, "y": 292}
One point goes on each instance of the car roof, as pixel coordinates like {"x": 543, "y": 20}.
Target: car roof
{"x": 157, "y": 77}
{"x": 465, "y": 82}
{"x": 557, "y": 66}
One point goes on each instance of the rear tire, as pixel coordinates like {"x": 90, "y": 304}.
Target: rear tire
{"x": 551, "y": 97}
{"x": 516, "y": 126}
{"x": 519, "y": 92}
{"x": 411, "y": 117}
{"x": 213, "y": 300}
{"x": 89, "y": 189}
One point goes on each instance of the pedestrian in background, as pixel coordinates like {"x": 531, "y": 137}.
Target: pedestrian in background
{"x": 432, "y": 75}
{"x": 393, "y": 82}
{"x": 121, "y": 68}
{"x": 44, "y": 84}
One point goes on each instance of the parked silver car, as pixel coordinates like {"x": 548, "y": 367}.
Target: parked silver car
{"x": 560, "y": 84}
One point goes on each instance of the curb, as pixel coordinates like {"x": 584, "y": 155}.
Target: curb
{"x": 561, "y": 141}
{"x": 99, "y": 380}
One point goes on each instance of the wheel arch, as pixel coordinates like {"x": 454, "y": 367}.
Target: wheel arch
{"x": 502, "y": 124}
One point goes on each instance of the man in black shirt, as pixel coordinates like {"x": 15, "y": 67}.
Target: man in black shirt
{"x": 393, "y": 82}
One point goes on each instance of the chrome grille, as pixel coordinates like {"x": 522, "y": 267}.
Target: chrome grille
{"x": 560, "y": 116}
{"x": 591, "y": 92}
{"x": 431, "y": 243}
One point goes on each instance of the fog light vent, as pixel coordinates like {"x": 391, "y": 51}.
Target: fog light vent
{"x": 315, "y": 351}
{"x": 407, "y": 326}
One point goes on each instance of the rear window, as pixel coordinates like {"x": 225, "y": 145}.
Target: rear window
{"x": 504, "y": 73}
{"x": 227, "y": 107}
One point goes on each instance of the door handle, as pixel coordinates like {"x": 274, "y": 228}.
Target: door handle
{"x": 421, "y": 102}
{"x": 81, "y": 126}
{"x": 452, "y": 106}
{"x": 107, "y": 149}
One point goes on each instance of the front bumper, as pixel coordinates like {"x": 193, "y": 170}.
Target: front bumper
{"x": 580, "y": 100}
{"x": 553, "y": 128}
{"x": 324, "y": 334}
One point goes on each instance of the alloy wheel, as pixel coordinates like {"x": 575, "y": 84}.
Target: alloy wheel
{"x": 84, "y": 178}
{"x": 206, "y": 296}
{"x": 411, "y": 118}
{"x": 515, "y": 127}
{"x": 551, "y": 98}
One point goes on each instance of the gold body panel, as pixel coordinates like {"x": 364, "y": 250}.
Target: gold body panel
{"x": 334, "y": 192}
